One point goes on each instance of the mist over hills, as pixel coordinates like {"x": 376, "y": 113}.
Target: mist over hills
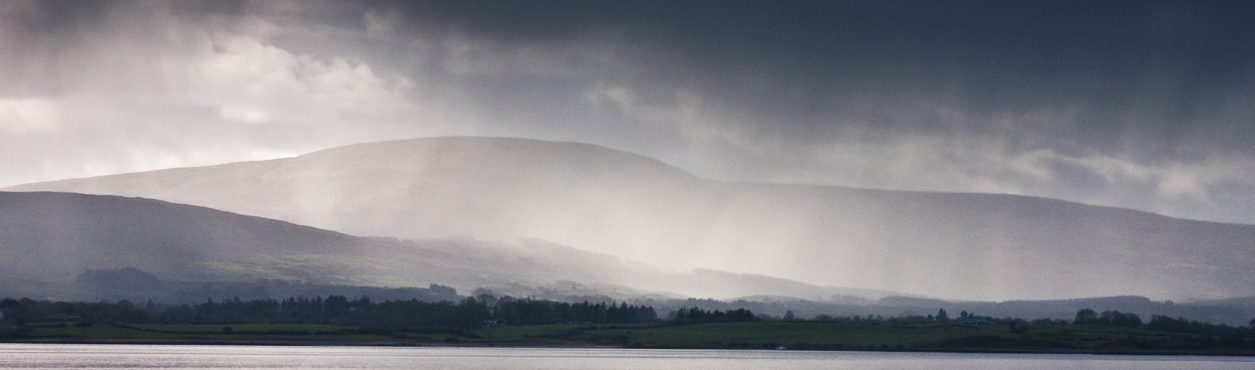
{"x": 52, "y": 238}
{"x": 73, "y": 246}
{"x": 966, "y": 246}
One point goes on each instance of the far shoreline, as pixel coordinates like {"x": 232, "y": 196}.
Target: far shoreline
{"x": 289, "y": 343}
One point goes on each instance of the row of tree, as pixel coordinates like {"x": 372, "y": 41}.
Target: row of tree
{"x": 697, "y": 315}
{"x": 28, "y": 310}
{"x": 1181, "y": 325}
{"x": 1113, "y": 318}
{"x": 528, "y": 311}
{"x": 1162, "y": 324}
{"x": 488, "y": 311}
{"x": 361, "y": 312}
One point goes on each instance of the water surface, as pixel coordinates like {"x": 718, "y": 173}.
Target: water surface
{"x": 79, "y": 356}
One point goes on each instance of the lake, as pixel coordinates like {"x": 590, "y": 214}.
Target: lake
{"x": 45, "y": 356}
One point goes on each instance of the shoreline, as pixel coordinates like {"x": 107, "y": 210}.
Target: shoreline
{"x": 290, "y": 343}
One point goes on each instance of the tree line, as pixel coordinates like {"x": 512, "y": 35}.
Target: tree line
{"x": 696, "y": 315}
{"x": 1087, "y": 316}
{"x": 361, "y": 312}
{"x": 476, "y": 312}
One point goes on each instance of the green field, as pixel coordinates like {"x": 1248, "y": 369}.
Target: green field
{"x": 871, "y": 335}
{"x": 758, "y": 335}
{"x": 844, "y": 335}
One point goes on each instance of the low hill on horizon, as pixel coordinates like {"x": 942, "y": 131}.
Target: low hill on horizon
{"x": 50, "y": 237}
{"x": 953, "y": 245}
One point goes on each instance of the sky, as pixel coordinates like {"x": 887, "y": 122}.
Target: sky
{"x": 1139, "y": 104}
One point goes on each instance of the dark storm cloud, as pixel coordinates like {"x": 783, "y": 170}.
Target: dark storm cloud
{"x": 1130, "y": 103}
{"x": 1168, "y": 62}
{"x": 1090, "y": 100}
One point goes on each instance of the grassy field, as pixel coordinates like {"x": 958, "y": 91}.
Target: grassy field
{"x": 759, "y": 335}
{"x": 873, "y": 336}
{"x": 815, "y": 335}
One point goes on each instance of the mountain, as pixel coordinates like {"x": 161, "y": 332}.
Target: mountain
{"x": 48, "y": 238}
{"x": 962, "y": 246}
{"x": 57, "y": 236}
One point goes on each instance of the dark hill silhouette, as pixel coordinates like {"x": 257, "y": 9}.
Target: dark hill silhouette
{"x": 57, "y": 236}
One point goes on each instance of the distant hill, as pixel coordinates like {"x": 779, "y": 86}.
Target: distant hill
{"x": 57, "y": 236}
{"x": 963, "y": 246}
{"x": 103, "y": 240}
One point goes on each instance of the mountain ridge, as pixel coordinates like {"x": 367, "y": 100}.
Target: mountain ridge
{"x": 57, "y": 182}
{"x": 954, "y": 245}
{"x": 51, "y": 237}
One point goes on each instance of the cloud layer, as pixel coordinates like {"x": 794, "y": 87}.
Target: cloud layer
{"x": 1133, "y": 104}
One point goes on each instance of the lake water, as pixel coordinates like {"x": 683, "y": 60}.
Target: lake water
{"x": 52, "y": 356}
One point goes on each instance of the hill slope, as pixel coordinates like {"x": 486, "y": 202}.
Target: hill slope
{"x": 969, "y": 246}
{"x": 54, "y": 237}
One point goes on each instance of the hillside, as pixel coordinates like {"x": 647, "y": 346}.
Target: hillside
{"x": 963, "y": 246}
{"x": 55, "y": 237}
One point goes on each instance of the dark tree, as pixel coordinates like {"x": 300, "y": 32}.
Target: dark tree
{"x": 1018, "y": 326}
{"x": 697, "y": 315}
{"x": 1117, "y": 318}
{"x": 1085, "y": 316}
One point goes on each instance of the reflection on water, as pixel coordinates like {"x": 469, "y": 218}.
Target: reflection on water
{"x": 243, "y": 357}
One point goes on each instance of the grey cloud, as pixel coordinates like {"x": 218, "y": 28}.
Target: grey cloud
{"x": 1135, "y": 104}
